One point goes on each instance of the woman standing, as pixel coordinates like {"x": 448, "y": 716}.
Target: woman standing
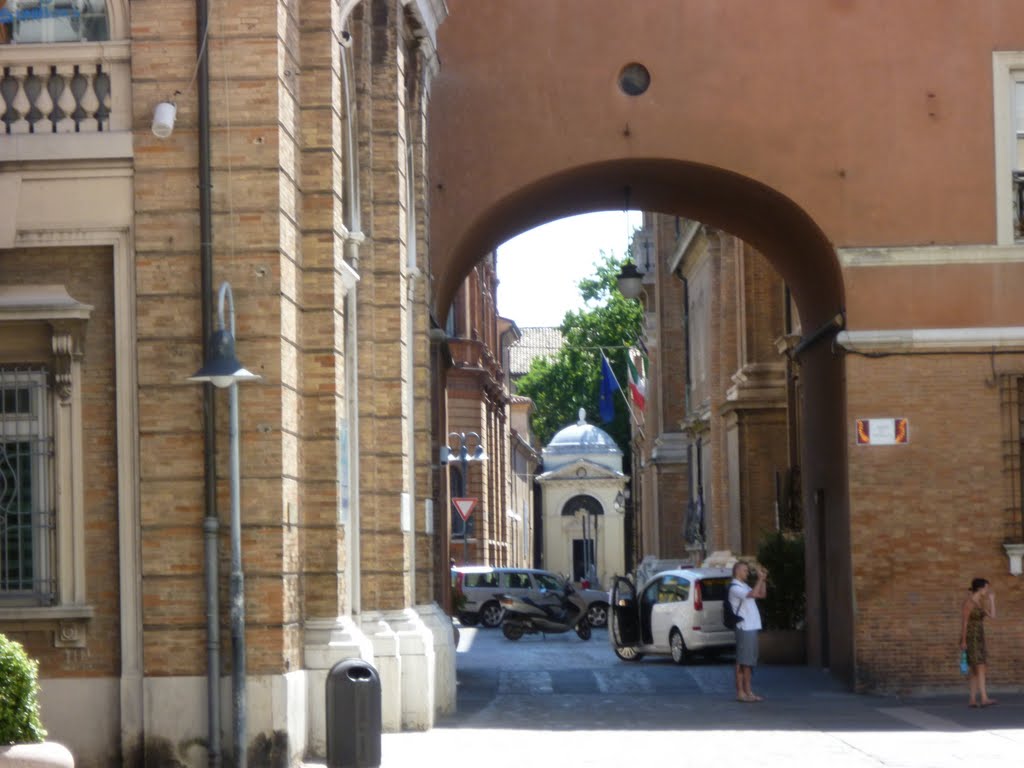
{"x": 981, "y": 602}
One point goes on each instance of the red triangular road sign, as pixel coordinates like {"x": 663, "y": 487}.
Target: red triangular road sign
{"x": 464, "y": 506}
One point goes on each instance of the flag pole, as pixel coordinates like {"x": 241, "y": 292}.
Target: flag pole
{"x": 625, "y": 397}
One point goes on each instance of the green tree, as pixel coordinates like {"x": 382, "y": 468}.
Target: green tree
{"x": 571, "y": 380}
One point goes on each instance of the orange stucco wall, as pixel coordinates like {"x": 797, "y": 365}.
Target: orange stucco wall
{"x": 800, "y": 125}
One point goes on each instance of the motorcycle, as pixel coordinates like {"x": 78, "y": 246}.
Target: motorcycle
{"x": 523, "y": 616}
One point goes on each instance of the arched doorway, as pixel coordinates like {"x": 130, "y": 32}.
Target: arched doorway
{"x": 584, "y": 549}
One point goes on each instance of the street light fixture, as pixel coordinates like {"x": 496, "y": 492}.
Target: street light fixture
{"x": 223, "y": 370}
{"x": 462, "y": 455}
{"x": 630, "y": 281}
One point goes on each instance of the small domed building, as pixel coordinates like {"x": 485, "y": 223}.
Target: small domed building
{"x": 582, "y": 501}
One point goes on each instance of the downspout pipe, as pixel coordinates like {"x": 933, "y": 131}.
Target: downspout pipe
{"x": 832, "y": 327}
{"x": 211, "y": 522}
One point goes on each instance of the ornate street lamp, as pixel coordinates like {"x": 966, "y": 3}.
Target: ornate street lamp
{"x": 461, "y": 454}
{"x": 223, "y": 370}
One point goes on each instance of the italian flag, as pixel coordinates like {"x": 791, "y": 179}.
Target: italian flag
{"x": 637, "y": 377}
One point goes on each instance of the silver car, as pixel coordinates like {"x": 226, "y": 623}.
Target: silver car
{"x": 478, "y": 588}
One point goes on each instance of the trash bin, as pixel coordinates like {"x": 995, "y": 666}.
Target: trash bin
{"x": 353, "y": 715}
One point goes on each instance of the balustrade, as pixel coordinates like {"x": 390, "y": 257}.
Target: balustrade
{"x": 51, "y": 89}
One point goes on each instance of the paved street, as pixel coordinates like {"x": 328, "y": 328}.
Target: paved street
{"x": 559, "y": 701}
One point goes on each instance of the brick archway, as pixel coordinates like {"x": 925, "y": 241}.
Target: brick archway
{"x": 558, "y": 137}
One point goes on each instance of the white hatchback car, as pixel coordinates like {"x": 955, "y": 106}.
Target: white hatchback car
{"x": 676, "y": 612}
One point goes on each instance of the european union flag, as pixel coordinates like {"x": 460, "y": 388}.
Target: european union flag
{"x": 606, "y": 401}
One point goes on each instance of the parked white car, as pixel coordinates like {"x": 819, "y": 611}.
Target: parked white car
{"x": 676, "y": 612}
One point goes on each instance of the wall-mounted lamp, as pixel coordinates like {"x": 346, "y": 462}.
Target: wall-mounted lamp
{"x": 1015, "y": 552}
{"x": 163, "y": 119}
{"x": 630, "y": 281}
{"x": 620, "y": 501}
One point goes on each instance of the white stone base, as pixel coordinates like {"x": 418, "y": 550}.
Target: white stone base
{"x": 412, "y": 650}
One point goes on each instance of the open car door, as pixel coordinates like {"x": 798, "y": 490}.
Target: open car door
{"x": 624, "y": 617}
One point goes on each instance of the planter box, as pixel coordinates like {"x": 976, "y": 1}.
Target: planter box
{"x": 782, "y": 646}
{"x": 47, "y": 754}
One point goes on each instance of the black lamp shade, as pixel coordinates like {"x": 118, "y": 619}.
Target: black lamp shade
{"x": 222, "y": 368}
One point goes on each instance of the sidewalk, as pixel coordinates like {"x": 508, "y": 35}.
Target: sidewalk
{"x": 797, "y": 724}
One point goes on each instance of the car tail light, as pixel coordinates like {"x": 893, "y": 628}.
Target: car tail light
{"x": 698, "y": 601}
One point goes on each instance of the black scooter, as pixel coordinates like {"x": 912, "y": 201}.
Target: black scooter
{"x": 525, "y": 617}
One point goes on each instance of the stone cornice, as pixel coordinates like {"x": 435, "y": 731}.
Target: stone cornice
{"x": 932, "y": 340}
{"x": 930, "y": 255}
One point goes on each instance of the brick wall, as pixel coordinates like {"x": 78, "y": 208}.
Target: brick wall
{"x": 87, "y": 274}
{"x": 927, "y": 517}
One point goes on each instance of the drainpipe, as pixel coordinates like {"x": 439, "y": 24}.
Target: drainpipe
{"x": 355, "y": 237}
{"x": 211, "y": 523}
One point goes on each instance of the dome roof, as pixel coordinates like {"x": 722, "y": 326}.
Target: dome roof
{"x": 582, "y": 438}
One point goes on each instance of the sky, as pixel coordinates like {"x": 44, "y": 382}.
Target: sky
{"x": 563, "y": 252}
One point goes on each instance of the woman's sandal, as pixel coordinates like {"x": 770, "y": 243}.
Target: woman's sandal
{"x": 989, "y": 703}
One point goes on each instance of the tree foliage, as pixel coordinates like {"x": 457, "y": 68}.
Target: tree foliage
{"x": 571, "y": 380}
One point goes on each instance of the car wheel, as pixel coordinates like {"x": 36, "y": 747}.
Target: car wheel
{"x": 597, "y": 614}
{"x": 490, "y": 615}
{"x": 628, "y": 653}
{"x": 513, "y": 630}
{"x": 583, "y": 628}
{"x": 678, "y": 647}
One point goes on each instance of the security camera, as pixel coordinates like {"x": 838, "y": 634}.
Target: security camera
{"x": 346, "y": 39}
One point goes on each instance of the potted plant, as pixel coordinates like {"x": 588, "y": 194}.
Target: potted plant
{"x": 22, "y": 736}
{"x": 783, "y": 640}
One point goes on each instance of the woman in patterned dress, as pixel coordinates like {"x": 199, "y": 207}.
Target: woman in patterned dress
{"x": 981, "y": 602}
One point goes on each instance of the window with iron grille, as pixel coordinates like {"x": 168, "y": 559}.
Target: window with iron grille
{"x": 1012, "y": 395}
{"x": 26, "y": 514}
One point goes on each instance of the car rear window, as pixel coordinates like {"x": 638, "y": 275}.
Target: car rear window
{"x": 715, "y": 589}
{"x": 673, "y": 589}
{"x": 480, "y": 579}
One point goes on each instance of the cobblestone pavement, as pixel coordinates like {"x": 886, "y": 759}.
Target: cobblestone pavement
{"x": 559, "y": 701}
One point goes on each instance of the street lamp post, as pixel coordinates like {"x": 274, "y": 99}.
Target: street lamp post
{"x": 462, "y": 455}
{"x": 223, "y": 370}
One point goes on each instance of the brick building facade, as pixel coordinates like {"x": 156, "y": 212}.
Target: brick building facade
{"x": 901, "y": 273}
{"x": 479, "y": 405}
{"x": 307, "y": 195}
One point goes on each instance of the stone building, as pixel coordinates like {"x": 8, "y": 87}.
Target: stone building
{"x": 294, "y": 170}
{"x": 478, "y": 411}
{"x": 582, "y": 503}
{"x": 717, "y": 453}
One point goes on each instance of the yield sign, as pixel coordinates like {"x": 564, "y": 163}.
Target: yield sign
{"x": 465, "y": 506}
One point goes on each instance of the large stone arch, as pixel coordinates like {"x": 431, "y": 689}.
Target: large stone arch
{"x": 528, "y": 125}
{"x": 801, "y": 253}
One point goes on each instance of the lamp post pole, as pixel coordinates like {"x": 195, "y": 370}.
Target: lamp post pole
{"x": 464, "y": 458}
{"x": 223, "y": 370}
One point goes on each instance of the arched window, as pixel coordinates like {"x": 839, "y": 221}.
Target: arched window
{"x": 582, "y": 503}
{"x": 53, "y": 21}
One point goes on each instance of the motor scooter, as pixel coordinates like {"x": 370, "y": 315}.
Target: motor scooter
{"x": 525, "y": 617}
